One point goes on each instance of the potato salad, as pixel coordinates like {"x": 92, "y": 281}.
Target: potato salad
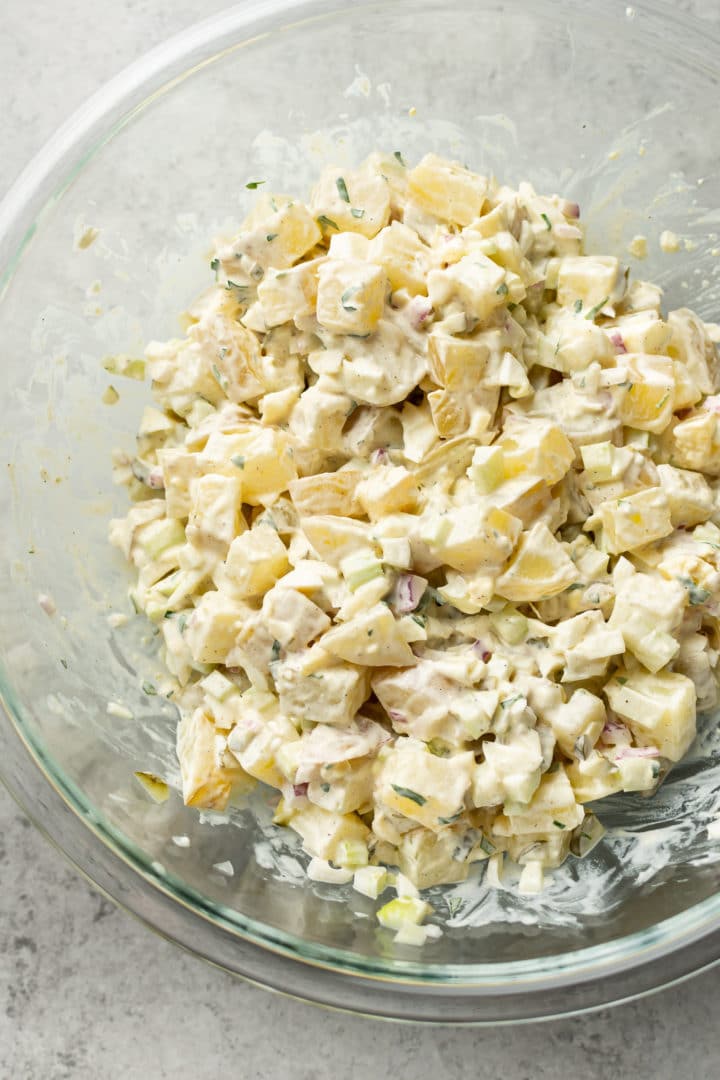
{"x": 425, "y": 513}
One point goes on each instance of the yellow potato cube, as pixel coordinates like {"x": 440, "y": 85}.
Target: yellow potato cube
{"x": 645, "y": 397}
{"x": 552, "y": 807}
{"x": 538, "y": 447}
{"x": 659, "y": 709}
{"x": 540, "y": 567}
{"x": 280, "y": 239}
{"x": 213, "y": 626}
{"x": 472, "y": 542}
{"x": 355, "y": 200}
{"x": 590, "y": 279}
{"x": 327, "y": 493}
{"x": 594, "y": 778}
{"x": 372, "y": 638}
{"x": 458, "y": 364}
{"x": 690, "y": 497}
{"x": 323, "y": 831}
{"x": 263, "y": 457}
{"x": 215, "y": 515}
{"x": 179, "y": 468}
{"x": 403, "y": 257}
{"x": 387, "y": 489}
{"x": 582, "y": 717}
{"x": 207, "y": 778}
{"x": 285, "y": 295}
{"x": 475, "y": 282}
{"x": 447, "y": 190}
{"x": 351, "y": 296}
{"x": 255, "y": 561}
{"x": 634, "y": 520}
{"x": 696, "y": 444}
{"x": 423, "y": 787}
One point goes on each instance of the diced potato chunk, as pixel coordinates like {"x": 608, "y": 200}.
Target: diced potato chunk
{"x": 475, "y": 281}
{"x": 447, "y": 190}
{"x": 280, "y": 239}
{"x": 634, "y": 520}
{"x": 372, "y": 638}
{"x": 255, "y": 561}
{"x": 212, "y": 628}
{"x": 539, "y": 568}
{"x": 403, "y": 257}
{"x": 689, "y": 495}
{"x": 327, "y": 493}
{"x": 552, "y": 807}
{"x": 659, "y": 708}
{"x": 386, "y": 490}
{"x": 648, "y": 610}
{"x": 351, "y": 296}
{"x": 323, "y": 831}
{"x": 472, "y": 542}
{"x": 582, "y": 717}
{"x": 207, "y": 778}
{"x": 356, "y": 200}
{"x": 590, "y": 279}
{"x": 285, "y": 295}
{"x": 428, "y": 789}
{"x": 538, "y": 447}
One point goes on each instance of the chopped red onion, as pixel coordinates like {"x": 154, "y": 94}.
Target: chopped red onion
{"x": 638, "y": 752}
{"x": 300, "y": 790}
{"x": 419, "y": 309}
{"x": 408, "y": 592}
{"x": 572, "y": 210}
{"x": 397, "y": 717}
{"x": 482, "y": 651}
{"x": 618, "y": 343}
{"x": 379, "y": 456}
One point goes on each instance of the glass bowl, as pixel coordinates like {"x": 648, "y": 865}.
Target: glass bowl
{"x": 611, "y": 106}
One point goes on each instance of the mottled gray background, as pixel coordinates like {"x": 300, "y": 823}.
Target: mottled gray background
{"x": 85, "y": 992}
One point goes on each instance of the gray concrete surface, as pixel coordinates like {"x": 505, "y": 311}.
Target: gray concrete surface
{"x": 85, "y": 992}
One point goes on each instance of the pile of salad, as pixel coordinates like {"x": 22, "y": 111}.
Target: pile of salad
{"x": 425, "y": 513}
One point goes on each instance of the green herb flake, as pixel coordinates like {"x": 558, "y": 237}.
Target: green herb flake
{"x": 620, "y": 679}
{"x": 696, "y": 593}
{"x": 275, "y": 651}
{"x": 342, "y": 189}
{"x": 502, "y": 290}
{"x": 253, "y": 185}
{"x": 328, "y": 223}
{"x": 215, "y": 265}
{"x": 398, "y": 157}
{"x": 348, "y": 295}
{"x": 421, "y": 620}
{"x": 356, "y": 212}
{"x": 182, "y": 623}
{"x": 575, "y": 585}
{"x": 325, "y": 788}
{"x": 271, "y": 236}
{"x": 221, "y": 380}
{"x": 450, "y": 820}
{"x": 559, "y": 825}
{"x": 577, "y": 307}
{"x": 454, "y": 905}
{"x": 598, "y": 307}
{"x": 548, "y": 222}
{"x": 242, "y": 292}
{"x": 64, "y": 663}
{"x": 238, "y": 460}
{"x": 148, "y": 688}
{"x": 511, "y": 701}
{"x": 487, "y": 846}
{"x": 662, "y": 400}
{"x": 408, "y": 793}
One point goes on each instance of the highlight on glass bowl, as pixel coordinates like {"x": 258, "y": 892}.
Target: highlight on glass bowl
{"x": 361, "y": 577}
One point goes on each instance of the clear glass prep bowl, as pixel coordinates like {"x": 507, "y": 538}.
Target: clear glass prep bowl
{"x": 615, "y": 107}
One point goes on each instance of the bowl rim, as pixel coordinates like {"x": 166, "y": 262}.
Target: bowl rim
{"x": 692, "y": 933}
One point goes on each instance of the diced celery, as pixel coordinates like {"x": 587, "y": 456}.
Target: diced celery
{"x": 218, "y": 686}
{"x": 411, "y": 934}
{"x": 403, "y": 910}
{"x": 132, "y": 367}
{"x": 370, "y": 881}
{"x": 360, "y": 568}
{"x": 351, "y": 854}
{"x": 160, "y": 535}
{"x": 598, "y": 461}
{"x": 488, "y": 469}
